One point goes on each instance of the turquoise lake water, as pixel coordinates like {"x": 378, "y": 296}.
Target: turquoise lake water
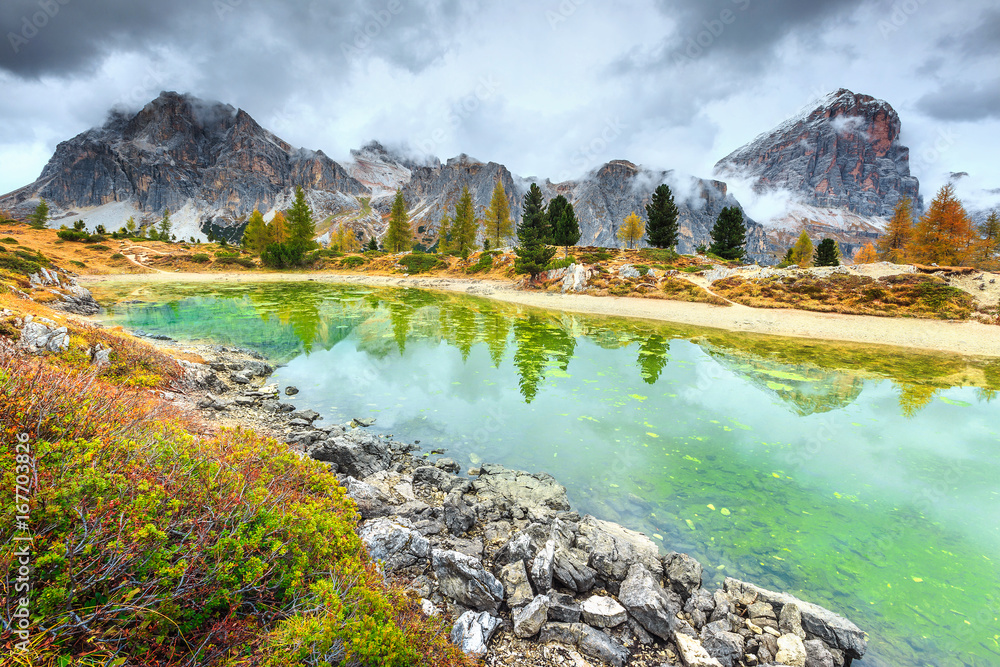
{"x": 863, "y": 479}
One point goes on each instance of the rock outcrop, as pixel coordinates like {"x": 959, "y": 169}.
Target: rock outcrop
{"x": 845, "y": 153}
{"x": 179, "y": 151}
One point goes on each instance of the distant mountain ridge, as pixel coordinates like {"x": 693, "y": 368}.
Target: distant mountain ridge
{"x": 212, "y": 164}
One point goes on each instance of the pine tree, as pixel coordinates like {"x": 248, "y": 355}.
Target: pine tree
{"x": 533, "y": 256}
{"x": 827, "y": 253}
{"x": 866, "y": 255}
{"x": 729, "y": 234}
{"x": 399, "y": 237}
{"x": 989, "y": 232}
{"x": 944, "y": 234}
{"x": 40, "y": 216}
{"x": 130, "y": 225}
{"x": 632, "y": 229}
{"x": 662, "y": 214}
{"x": 497, "y": 225}
{"x": 463, "y": 233}
{"x": 892, "y": 246}
{"x": 563, "y": 222}
{"x": 802, "y": 251}
{"x": 277, "y": 229}
{"x": 444, "y": 234}
{"x": 301, "y": 228}
{"x": 255, "y": 234}
{"x": 165, "y": 225}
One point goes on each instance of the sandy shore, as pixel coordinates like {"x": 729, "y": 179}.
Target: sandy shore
{"x": 965, "y": 338}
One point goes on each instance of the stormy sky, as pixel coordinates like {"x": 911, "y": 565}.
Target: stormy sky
{"x": 549, "y": 88}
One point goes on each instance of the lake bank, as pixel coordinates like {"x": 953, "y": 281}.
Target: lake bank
{"x": 964, "y": 338}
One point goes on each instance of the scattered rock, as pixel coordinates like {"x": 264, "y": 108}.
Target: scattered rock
{"x": 448, "y": 465}
{"x": 683, "y": 572}
{"x": 791, "y": 621}
{"x": 648, "y": 603}
{"x": 358, "y": 422}
{"x": 472, "y": 631}
{"x": 463, "y": 579}
{"x": 614, "y": 548}
{"x": 817, "y": 654}
{"x": 239, "y": 378}
{"x": 564, "y": 609}
{"x": 291, "y": 391}
{"x": 571, "y": 570}
{"x": 529, "y": 619}
{"x": 590, "y": 641}
{"x": 395, "y": 542}
{"x": 356, "y": 454}
{"x": 37, "y": 337}
{"x": 791, "y": 651}
{"x": 726, "y": 647}
{"x": 458, "y": 517}
{"x": 541, "y": 566}
{"x": 693, "y": 654}
{"x": 514, "y": 577}
{"x": 835, "y": 630}
{"x": 601, "y": 611}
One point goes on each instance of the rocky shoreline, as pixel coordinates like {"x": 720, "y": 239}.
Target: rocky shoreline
{"x": 528, "y": 580}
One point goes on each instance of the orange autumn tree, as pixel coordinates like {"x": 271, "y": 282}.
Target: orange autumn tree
{"x": 944, "y": 234}
{"x": 866, "y": 255}
{"x": 277, "y": 230}
{"x": 898, "y": 235}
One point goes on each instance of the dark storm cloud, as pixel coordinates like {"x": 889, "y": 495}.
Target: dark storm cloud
{"x": 963, "y": 101}
{"x": 64, "y": 37}
{"x": 983, "y": 39}
{"x": 749, "y": 26}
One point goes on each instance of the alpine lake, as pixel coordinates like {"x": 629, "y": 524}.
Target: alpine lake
{"x": 864, "y": 479}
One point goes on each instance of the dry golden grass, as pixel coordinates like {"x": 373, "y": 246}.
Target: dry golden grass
{"x": 893, "y": 296}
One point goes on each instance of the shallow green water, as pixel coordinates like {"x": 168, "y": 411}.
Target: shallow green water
{"x": 858, "y": 478}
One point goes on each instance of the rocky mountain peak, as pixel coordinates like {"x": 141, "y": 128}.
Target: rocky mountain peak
{"x": 843, "y": 153}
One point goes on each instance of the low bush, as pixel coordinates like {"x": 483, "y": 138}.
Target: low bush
{"x": 245, "y": 262}
{"x": 642, "y": 269}
{"x": 595, "y": 256}
{"x": 484, "y": 263}
{"x": 659, "y": 255}
{"x": 9, "y": 240}
{"x": 72, "y": 235}
{"x": 98, "y": 247}
{"x": 18, "y": 264}
{"x": 421, "y": 263}
{"x": 282, "y": 255}
{"x": 200, "y": 258}
{"x": 78, "y": 263}
{"x": 353, "y": 262}
{"x": 117, "y": 256}
{"x": 156, "y": 547}
{"x": 906, "y": 295}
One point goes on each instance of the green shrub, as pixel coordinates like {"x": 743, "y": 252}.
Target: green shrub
{"x": 353, "y": 262}
{"x": 78, "y": 263}
{"x": 594, "y": 257}
{"x": 484, "y": 263}
{"x": 72, "y": 235}
{"x": 659, "y": 255}
{"x": 9, "y": 240}
{"x": 98, "y": 246}
{"x": 189, "y": 550}
{"x": 200, "y": 258}
{"x": 282, "y": 255}
{"x": 226, "y": 253}
{"x": 245, "y": 262}
{"x": 642, "y": 269}
{"x": 421, "y": 263}
{"x": 695, "y": 269}
{"x": 18, "y": 264}
{"x": 117, "y": 255}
